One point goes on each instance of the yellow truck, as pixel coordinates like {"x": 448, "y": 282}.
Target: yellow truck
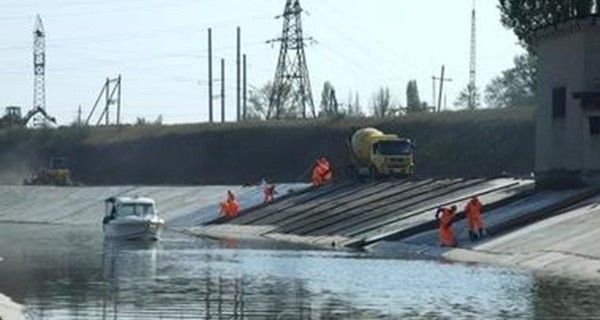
{"x": 377, "y": 154}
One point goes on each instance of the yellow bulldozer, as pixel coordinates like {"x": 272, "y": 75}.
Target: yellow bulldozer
{"x": 57, "y": 174}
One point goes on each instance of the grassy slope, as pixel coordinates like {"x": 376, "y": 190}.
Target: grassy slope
{"x": 480, "y": 143}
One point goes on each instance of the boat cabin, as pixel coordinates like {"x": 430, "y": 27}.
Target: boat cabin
{"x": 120, "y": 207}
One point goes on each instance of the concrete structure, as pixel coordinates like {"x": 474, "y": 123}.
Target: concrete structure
{"x": 179, "y": 206}
{"x": 360, "y": 214}
{"x": 568, "y": 123}
{"x": 10, "y": 310}
{"x": 565, "y": 245}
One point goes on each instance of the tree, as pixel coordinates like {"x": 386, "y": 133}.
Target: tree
{"x": 382, "y": 106}
{"x": 353, "y": 108}
{"x": 141, "y": 121}
{"x": 413, "y": 102}
{"x": 526, "y": 16}
{"x": 329, "y": 103}
{"x": 287, "y": 110}
{"x": 464, "y": 98}
{"x": 515, "y": 87}
{"x": 258, "y": 102}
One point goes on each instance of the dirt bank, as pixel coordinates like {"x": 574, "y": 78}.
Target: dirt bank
{"x": 465, "y": 144}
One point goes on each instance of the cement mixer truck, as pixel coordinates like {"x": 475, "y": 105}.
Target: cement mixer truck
{"x": 376, "y": 154}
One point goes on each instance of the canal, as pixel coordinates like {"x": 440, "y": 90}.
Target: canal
{"x": 60, "y": 272}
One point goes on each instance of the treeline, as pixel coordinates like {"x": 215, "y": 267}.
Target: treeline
{"x": 527, "y": 16}
{"x": 512, "y": 88}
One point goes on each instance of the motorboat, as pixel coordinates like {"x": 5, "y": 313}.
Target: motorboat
{"x": 131, "y": 218}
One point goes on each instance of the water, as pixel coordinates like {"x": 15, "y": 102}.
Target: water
{"x": 72, "y": 273}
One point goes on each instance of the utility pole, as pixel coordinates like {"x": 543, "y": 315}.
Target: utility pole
{"x": 223, "y": 90}
{"x": 107, "y": 110}
{"x": 119, "y": 100}
{"x": 210, "y": 78}
{"x": 442, "y": 79}
{"x": 433, "y": 95}
{"x": 291, "y": 87}
{"x": 79, "y": 116}
{"x": 239, "y": 66}
{"x": 245, "y": 89}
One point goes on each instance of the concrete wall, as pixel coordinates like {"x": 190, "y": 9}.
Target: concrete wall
{"x": 569, "y": 56}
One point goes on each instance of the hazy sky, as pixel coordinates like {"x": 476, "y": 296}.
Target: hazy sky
{"x": 159, "y": 46}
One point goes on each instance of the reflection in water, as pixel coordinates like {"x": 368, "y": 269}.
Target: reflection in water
{"x": 136, "y": 285}
{"x": 60, "y": 273}
{"x": 555, "y": 298}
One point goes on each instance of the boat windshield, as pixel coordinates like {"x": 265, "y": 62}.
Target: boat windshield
{"x": 394, "y": 148}
{"x": 135, "y": 209}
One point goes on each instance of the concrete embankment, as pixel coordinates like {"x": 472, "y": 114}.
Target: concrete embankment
{"x": 358, "y": 214}
{"x": 547, "y": 231}
{"x": 180, "y": 206}
{"x": 564, "y": 245}
{"x": 10, "y": 310}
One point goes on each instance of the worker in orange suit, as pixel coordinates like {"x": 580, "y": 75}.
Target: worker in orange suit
{"x": 445, "y": 218}
{"x": 317, "y": 174}
{"x": 230, "y": 196}
{"x": 224, "y": 209}
{"x": 326, "y": 173}
{"x": 231, "y": 207}
{"x": 473, "y": 211}
{"x": 269, "y": 192}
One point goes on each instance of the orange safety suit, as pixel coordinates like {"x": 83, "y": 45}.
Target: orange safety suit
{"x": 445, "y": 216}
{"x": 317, "y": 174}
{"x": 231, "y": 207}
{"x": 326, "y": 174}
{"x": 473, "y": 211}
{"x": 321, "y": 172}
{"x": 269, "y": 193}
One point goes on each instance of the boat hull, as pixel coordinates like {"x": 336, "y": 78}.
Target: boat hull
{"x": 134, "y": 229}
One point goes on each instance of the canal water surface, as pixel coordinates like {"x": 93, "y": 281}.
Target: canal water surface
{"x": 60, "y": 272}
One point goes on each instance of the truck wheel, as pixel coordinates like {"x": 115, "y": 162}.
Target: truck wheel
{"x": 373, "y": 172}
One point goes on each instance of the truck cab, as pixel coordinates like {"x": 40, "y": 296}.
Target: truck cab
{"x": 377, "y": 154}
{"x": 391, "y": 155}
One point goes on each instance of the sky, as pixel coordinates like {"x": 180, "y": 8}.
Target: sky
{"x": 160, "y": 49}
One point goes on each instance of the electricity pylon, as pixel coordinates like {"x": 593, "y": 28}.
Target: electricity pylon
{"x": 291, "y": 95}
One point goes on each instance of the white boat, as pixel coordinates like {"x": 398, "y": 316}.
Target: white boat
{"x": 131, "y": 218}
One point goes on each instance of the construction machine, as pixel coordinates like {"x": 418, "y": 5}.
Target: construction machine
{"x": 57, "y": 174}
{"x": 376, "y": 154}
{"x": 13, "y": 118}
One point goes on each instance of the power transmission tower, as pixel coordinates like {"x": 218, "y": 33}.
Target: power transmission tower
{"x": 292, "y": 94}
{"x": 472, "y": 89}
{"x": 39, "y": 68}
